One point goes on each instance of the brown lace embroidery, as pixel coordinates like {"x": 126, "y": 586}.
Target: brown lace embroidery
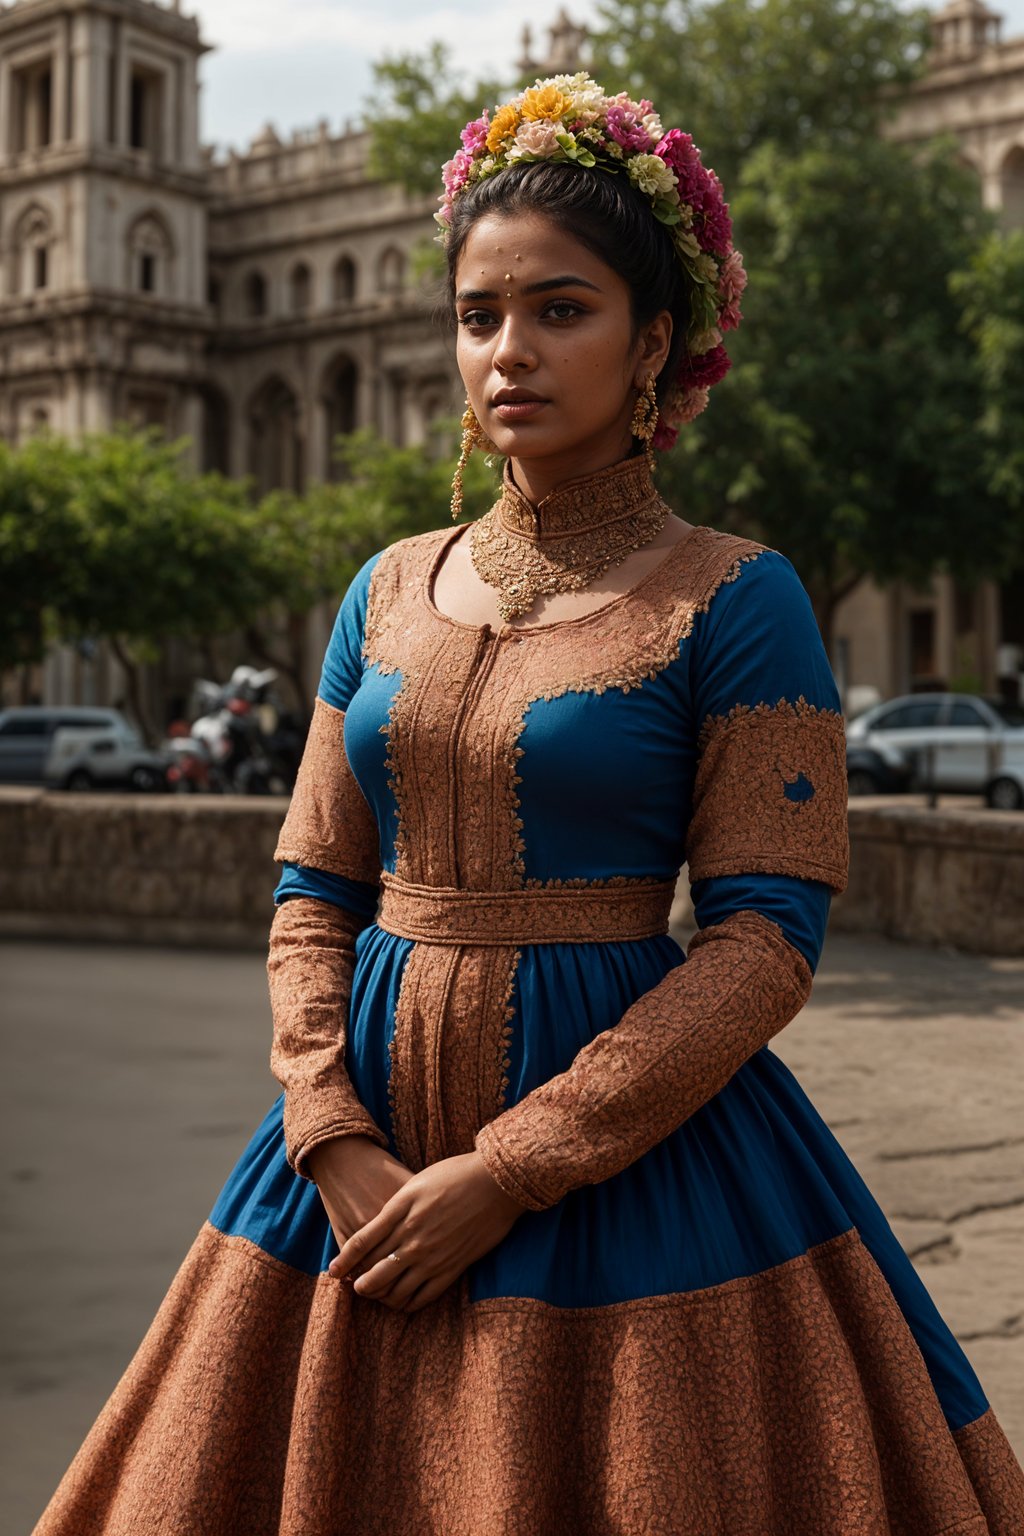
{"x": 770, "y": 794}
{"x": 449, "y": 1049}
{"x": 453, "y": 732}
{"x": 309, "y": 970}
{"x": 329, "y": 824}
{"x": 635, "y": 1083}
{"x": 792, "y": 1400}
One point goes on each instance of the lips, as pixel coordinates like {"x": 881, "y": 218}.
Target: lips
{"x": 515, "y": 397}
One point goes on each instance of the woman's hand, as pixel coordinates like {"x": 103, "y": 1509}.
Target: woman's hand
{"x": 441, "y": 1219}
{"x": 355, "y": 1177}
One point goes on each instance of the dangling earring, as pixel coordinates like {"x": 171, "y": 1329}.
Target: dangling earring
{"x": 645, "y": 416}
{"x": 473, "y": 435}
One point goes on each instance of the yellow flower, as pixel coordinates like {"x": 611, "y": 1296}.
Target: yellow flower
{"x": 546, "y": 102}
{"x": 504, "y": 122}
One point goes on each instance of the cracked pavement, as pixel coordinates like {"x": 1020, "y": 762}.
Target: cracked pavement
{"x": 135, "y": 1075}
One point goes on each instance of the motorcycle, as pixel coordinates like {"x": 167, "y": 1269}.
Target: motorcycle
{"x": 240, "y": 742}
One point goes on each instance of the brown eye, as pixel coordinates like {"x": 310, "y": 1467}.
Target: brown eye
{"x": 570, "y": 310}
{"x": 474, "y": 318}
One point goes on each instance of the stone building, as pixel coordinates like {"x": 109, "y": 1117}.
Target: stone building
{"x": 263, "y": 302}
{"x": 898, "y": 638}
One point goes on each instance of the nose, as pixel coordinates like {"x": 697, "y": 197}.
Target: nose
{"x": 513, "y": 349}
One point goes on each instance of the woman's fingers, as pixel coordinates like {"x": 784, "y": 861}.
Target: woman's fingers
{"x": 368, "y": 1243}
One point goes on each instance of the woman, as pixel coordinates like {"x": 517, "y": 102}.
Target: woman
{"x": 540, "y": 1235}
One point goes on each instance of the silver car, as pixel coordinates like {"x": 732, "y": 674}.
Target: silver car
{"x": 964, "y": 743}
{"x": 27, "y": 731}
{"x": 112, "y": 759}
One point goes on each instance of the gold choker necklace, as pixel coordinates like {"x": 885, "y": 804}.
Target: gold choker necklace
{"x": 570, "y": 538}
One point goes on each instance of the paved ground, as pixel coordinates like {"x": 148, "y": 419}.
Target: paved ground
{"x": 134, "y": 1077}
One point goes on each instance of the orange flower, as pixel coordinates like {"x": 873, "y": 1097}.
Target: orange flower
{"x": 504, "y": 123}
{"x": 546, "y": 102}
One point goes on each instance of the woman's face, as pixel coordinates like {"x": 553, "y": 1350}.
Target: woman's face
{"x": 543, "y": 320}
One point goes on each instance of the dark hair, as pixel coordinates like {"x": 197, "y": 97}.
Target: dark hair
{"x": 604, "y": 212}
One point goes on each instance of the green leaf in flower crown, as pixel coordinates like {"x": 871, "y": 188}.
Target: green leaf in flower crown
{"x": 568, "y": 143}
{"x": 585, "y": 157}
{"x": 666, "y": 212}
{"x": 687, "y": 243}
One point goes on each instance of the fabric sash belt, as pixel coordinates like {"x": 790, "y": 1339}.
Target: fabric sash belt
{"x": 581, "y": 914}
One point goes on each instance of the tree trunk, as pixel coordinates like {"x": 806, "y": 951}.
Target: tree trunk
{"x": 288, "y": 666}
{"x": 138, "y": 709}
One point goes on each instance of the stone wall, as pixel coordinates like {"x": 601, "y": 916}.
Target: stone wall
{"x": 173, "y": 869}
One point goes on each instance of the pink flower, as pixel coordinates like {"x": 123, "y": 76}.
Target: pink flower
{"x": 474, "y": 135}
{"x": 678, "y": 150}
{"x": 627, "y": 129}
{"x": 732, "y": 279}
{"x": 703, "y": 371}
{"x": 712, "y": 225}
{"x": 695, "y": 402}
{"x": 456, "y": 171}
{"x": 538, "y": 138}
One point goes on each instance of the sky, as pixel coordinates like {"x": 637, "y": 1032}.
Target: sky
{"x": 295, "y": 62}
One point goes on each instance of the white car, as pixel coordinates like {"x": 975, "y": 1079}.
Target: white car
{"x": 965, "y": 743}
{"x": 80, "y": 758}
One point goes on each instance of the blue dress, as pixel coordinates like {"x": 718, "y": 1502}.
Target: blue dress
{"x": 702, "y": 1321}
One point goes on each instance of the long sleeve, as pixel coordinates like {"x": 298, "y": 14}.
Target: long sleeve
{"x": 767, "y": 845}
{"x": 327, "y": 894}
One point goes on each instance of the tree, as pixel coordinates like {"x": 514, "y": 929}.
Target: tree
{"x": 112, "y": 537}
{"x": 310, "y": 545}
{"x": 738, "y": 74}
{"x": 847, "y": 431}
{"x": 991, "y": 293}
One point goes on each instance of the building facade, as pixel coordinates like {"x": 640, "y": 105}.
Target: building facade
{"x": 263, "y": 302}
{"x": 899, "y": 638}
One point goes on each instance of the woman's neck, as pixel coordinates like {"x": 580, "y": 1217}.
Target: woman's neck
{"x": 537, "y": 478}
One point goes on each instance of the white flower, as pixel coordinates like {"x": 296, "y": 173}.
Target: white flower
{"x": 652, "y": 124}
{"x": 650, "y": 174}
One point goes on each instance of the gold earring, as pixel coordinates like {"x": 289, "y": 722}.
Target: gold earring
{"x": 473, "y": 435}
{"x": 645, "y": 416}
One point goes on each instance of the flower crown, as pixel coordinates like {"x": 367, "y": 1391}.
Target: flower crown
{"x": 569, "y": 118}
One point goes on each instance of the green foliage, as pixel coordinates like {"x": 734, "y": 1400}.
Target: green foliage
{"x": 846, "y": 433}
{"x": 417, "y": 110}
{"x": 991, "y": 292}
{"x": 737, "y": 74}
{"x": 113, "y": 537}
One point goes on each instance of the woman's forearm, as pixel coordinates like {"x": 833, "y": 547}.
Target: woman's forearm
{"x": 309, "y": 967}
{"x": 671, "y": 1051}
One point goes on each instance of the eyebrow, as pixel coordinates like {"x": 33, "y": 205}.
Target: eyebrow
{"x": 567, "y": 281}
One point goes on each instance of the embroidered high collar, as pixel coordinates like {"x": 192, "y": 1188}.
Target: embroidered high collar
{"x": 570, "y": 538}
{"x": 590, "y": 502}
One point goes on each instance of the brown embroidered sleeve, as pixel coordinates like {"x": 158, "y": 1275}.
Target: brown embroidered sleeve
{"x": 770, "y": 795}
{"x": 309, "y": 968}
{"x": 330, "y": 827}
{"x": 329, "y": 824}
{"x": 633, "y": 1084}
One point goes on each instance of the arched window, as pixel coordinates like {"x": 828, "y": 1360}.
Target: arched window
{"x": 255, "y": 293}
{"x": 341, "y": 381}
{"x": 300, "y": 289}
{"x": 1011, "y": 188}
{"x": 391, "y": 272}
{"x": 31, "y": 242}
{"x": 344, "y": 280}
{"x": 150, "y": 256}
{"x": 274, "y": 423}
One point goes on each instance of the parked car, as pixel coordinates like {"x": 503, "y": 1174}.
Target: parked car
{"x": 82, "y": 758}
{"x": 26, "y": 735}
{"x": 1005, "y": 792}
{"x": 959, "y": 742}
{"x": 876, "y": 770}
